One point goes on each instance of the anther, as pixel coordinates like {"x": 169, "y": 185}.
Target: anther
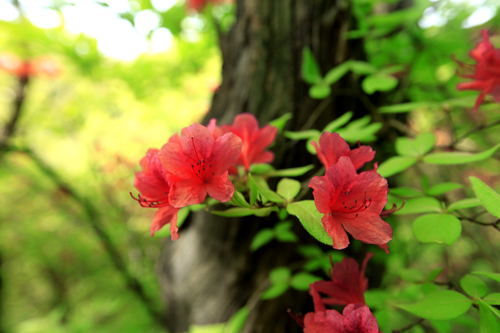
{"x": 347, "y": 193}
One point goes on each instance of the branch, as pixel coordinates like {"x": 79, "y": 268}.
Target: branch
{"x": 495, "y": 224}
{"x": 10, "y": 128}
{"x": 475, "y": 130}
{"x": 406, "y": 328}
{"x": 95, "y": 222}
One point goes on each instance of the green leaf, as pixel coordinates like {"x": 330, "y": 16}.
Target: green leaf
{"x": 489, "y": 322}
{"x": 253, "y": 189}
{"x": 443, "y": 188}
{"x": 244, "y": 211}
{"x": 405, "y": 192}
{"x": 339, "y": 122}
{"x": 439, "y": 228}
{"x": 487, "y": 196}
{"x": 302, "y": 135}
{"x": 237, "y": 321}
{"x": 293, "y": 172}
{"x": 465, "y": 203}
{"x": 363, "y": 134}
{"x": 310, "y": 218}
{"x": 494, "y": 276}
{"x": 411, "y": 275}
{"x": 275, "y": 290}
{"x": 493, "y": 299}
{"x": 288, "y": 188}
{"x": 395, "y": 165}
{"x": 211, "y": 328}
{"x": 302, "y": 280}
{"x": 362, "y": 68}
{"x": 282, "y": 214}
{"x": 263, "y": 237}
{"x": 336, "y": 73}
{"x": 406, "y": 107}
{"x": 440, "y": 305}
{"x": 378, "y": 82}
{"x": 239, "y": 200}
{"x": 424, "y": 143}
{"x": 434, "y": 274}
{"x": 459, "y": 158}
{"x": 261, "y": 168}
{"x": 310, "y": 251}
{"x": 310, "y": 68}
{"x": 263, "y": 188}
{"x": 280, "y": 122}
{"x": 473, "y": 286}
{"x": 420, "y": 205}
{"x": 280, "y": 275}
{"x": 283, "y": 232}
{"x": 320, "y": 90}
{"x": 182, "y": 214}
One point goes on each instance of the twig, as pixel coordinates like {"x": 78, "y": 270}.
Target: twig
{"x": 95, "y": 221}
{"x": 316, "y": 113}
{"x": 11, "y": 126}
{"x": 474, "y": 130}
{"x": 406, "y": 328}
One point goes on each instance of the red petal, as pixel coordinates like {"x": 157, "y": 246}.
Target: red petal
{"x": 482, "y": 47}
{"x": 265, "y": 137}
{"x": 220, "y": 188}
{"x": 361, "y": 155}
{"x": 342, "y": 175}
{"x": 359, "y": 319}
{"x": 226, "y": 151}
{"x": 333, "y": 146}
{"x": 197, "y": 142}
{"x": 214, "y": 129}
{"x": 164, "y": 216}
{"x": 336, "y": 232}
{"x": 384, "y": 247}
{"x": 187, "y": 192}
{"x": 263, "y": 157}
{"x": 368, "y": 228}
{"x": 174, "y": 160}
{"x": 324, "y": 193}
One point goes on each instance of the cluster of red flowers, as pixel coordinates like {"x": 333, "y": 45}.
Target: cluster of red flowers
{"x": 485, "y": 74}
{"x": 23, "y": 69}
{"x": 196, "y": 163}
{"x": 347, "y": 287}
{"x": 349, "y": 201}
{"x": 198, "y": 5}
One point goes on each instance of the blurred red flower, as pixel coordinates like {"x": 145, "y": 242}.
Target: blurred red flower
{"x": 254, "y": 139}
{"x": 485, "y": 74}
{"x": 332, "y": 146}
{"x": 348, "y": 284}
{"x": 356, "y": 318}
{"x": 197, "y": 164}
{"x": 198, "y": 5}
{"x": 352, "y": 203}
{"x": 23, "y": 69}
{"x": 154, "y": 186}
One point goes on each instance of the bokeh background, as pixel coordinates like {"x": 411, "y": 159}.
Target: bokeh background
{"x": 130, "y": 74}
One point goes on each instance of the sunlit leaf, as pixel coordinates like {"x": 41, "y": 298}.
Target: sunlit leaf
{"x": 293, "y": 172}
{"x": 280, "y": 122}
{"x": 395, "y": 165}
{"x": 489, "y": 322}
{"x": 439, "y": 228}
{"x": 494, "y": 276}
{"x": 237, "y": 321}
{"x": 339, "y": 122}
{"x": 320, "y": 90}
{"x": 302, "y": 280}
{"x": 336, "y": 73}
{"x": 263, "y": 237}
{"x": 288, "y": 188}
{"x": 493, "y": 299}
{"x": 442, "y": 188}
{"x": 459, "y": 158}
{"x": 406, "y": 192}
{"x": 487, "y": 196}
{"x": 379, "y": 82}
{"x": 302, "y": 135}
{"x": 310, "y": 218}
{"x": 440, "y": 305}
{"x": 473, "y": 286}
{"x": 362, "y": 68}
{"x": 420, "y": 205}
{"x": 463, "y": 204}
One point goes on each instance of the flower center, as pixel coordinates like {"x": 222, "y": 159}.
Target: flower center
{"x": 351, "y": 205}
{"x": 201, "y": 169}
{"x": 151, "y": 203}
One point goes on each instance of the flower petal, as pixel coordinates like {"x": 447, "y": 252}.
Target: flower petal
{"x": 197, "y": 142}
{"x": 358, "y": 318}
{"x": 220, "y": 188}
{"x": 333, "y": 147}
{"x": 368, "y": 228}
{"x": 263, "y": 157}
{"x": 226, "y": 151}
{"x": 174, "y": 160}
{"x": 336, "y": 232}
{"x": 324, "y": 193}
{"x": 187, "y": 192}
{"x": 361, "y": 155}
{"x": 164, "y": 216}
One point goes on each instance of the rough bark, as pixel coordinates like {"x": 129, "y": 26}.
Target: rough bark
{"x": 209, "y": 273}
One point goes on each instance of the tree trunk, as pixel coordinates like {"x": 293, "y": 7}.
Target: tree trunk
{"x": 210, "y": 273}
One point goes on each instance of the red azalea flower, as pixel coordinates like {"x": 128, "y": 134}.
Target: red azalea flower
{"x": 352, "y": 203}
{"x": 347, "y": 286}
{"x": 198, "y": 164}
{"x": 153, "y": 184}
{"x": 214, "y": 129}
{"x": 356, "y": 318}
{"x": 332, "y": 146}
{"x": 198, "y": 5}
{"x": 254, "y": 139}
{"x": 485, "y": 74}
